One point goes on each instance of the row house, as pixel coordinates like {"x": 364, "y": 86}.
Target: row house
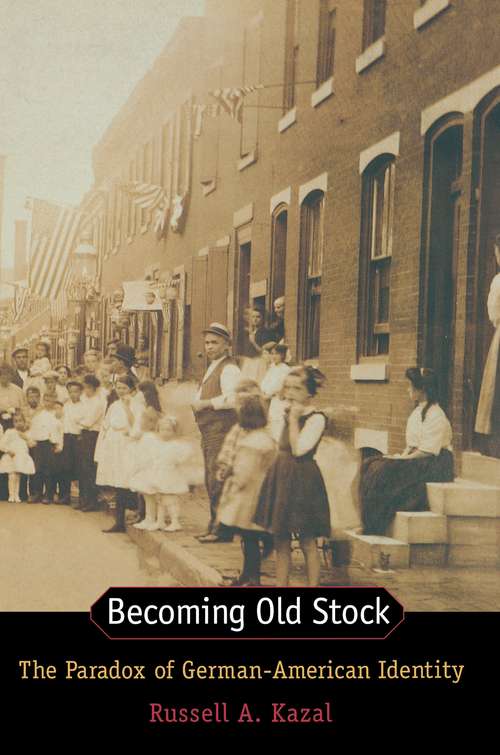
{"x": 360, "y": 180}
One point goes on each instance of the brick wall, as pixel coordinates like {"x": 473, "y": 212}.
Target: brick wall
{"x": 419, "y": 67}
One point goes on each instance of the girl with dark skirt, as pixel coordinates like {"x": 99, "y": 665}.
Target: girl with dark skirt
{"x": 398, "y": 483}
{"x": 245, "y": 457}
{"x": 293, "y": 498}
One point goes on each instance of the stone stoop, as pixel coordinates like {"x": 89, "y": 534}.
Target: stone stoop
{"x": 472, "y": 512}
{"x": 481, "y": 468}
{"x": 378, "y": 552}
{"x": 426, "y": 533}
{"x": 462, "y": 528}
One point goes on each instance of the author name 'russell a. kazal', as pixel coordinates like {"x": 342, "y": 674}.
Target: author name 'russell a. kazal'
{"x": 245, "y": 713}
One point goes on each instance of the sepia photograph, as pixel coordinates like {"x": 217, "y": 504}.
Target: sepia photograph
{"x": 250, "y": 298}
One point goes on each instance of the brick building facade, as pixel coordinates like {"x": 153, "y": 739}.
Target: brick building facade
{"x": 362, "y": 183}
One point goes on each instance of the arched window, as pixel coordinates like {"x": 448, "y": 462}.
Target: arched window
{"x": 310, "y": 268}
{"x": 278, "y": 252}
{"x": 376, "y": 252}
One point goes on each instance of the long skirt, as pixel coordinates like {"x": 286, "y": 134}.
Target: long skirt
{"x": 489, "y": 388}
{"x": 390, "y": 485}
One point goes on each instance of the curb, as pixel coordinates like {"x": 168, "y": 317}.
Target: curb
{"x": 176, "y": 559}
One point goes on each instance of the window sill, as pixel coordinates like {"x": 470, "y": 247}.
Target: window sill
{"x": 247, "y": 160}
{"x": 322, "y": 92}
{"x": 288, "y": 120}
{"x": 427, "y": 12}
{"x": 208, "y": 187}
{"x": 370, "y": 372}
{"x": 369, "y": 56}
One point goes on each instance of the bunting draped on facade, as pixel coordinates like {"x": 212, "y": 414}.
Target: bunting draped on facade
{"x": 147, "y": 196}
{"x": 231, "y": 99}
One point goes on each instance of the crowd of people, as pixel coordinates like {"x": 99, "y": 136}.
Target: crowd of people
{"x": 102, "y": 427}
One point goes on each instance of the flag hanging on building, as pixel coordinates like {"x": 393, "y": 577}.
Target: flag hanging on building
{"x": 54, "y": 233}
{"x": 231, "y": 99}
{"x": 150, "y": 197}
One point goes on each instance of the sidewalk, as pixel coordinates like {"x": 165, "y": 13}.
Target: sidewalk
{"x": 418, "y": 589}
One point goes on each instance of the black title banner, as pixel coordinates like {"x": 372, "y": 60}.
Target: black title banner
{"x": 250, "y": 613}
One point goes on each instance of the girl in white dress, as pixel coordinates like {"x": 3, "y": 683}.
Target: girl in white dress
{"x": 143, "y": 454}
{"x": 40, "y": 366}
{"x": 16, "y": 459}
{"x": 112, "y": 448}
{"x": 169, "y": 474}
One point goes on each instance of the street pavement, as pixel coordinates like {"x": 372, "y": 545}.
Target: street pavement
{"x": 418, "y": 589}
{"x": 53, "y": 558}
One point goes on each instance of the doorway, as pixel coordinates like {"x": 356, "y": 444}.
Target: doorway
{"x": 443, "y": 227}
{"x": 486, "y": 268}
{"x": 243, "y": 271}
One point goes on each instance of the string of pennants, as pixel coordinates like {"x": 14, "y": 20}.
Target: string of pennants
{"x": 230, "y": 101}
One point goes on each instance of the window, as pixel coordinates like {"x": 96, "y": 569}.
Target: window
{"x": 376, "y": 251}
{"x": 147, "y": 175}
{"x": 130, "y": 204}
{"x": 251, "y": 76}
{"x": 311, "y": 261}
{"x": 166, "y": 157}
{"x": 278, "y": 252}
{"x": 291, "y": 53}
{"x": 373, "y": 21}
{"x": 326, "y": 41}
{"x": 210, "y": 136}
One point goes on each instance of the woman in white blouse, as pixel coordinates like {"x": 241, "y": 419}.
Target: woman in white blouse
{"x": 272, "y": 384}
{"x": 398, "y": 483}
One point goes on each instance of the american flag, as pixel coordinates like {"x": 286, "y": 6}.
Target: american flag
{"x": 54, "y": 233}
{"x": 231, "y": 99}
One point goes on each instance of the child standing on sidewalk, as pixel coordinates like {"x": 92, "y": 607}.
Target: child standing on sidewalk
{"x": 293, "y": 498}
{"x": 46, "y": 432}
{"x": 91, "y": 418}
{"x": 168, "y": 473}
{"x": 112, "y": 450}
{"x": 243, "y": 463}
{"x": 70, "y": 458}
{"x": 16, "y": 459}
{"x": 143, "y": 454}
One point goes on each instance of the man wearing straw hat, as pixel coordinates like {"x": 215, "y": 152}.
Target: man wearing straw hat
{"x": 214, "y": 412}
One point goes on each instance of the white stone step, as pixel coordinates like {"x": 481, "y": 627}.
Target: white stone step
{"x": 422, "y": 527}
{"x": 481, "y": 468}
{"x": 379, "y": 552}
{"x": 464, "y": 498}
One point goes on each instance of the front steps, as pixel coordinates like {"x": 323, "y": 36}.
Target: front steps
{"x": 461, "y": 529}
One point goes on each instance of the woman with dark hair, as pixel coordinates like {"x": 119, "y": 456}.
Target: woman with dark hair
{"x": 398, "y": 483}
{"x": 242, "y": 464}
{"x": 151, "y": 395}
